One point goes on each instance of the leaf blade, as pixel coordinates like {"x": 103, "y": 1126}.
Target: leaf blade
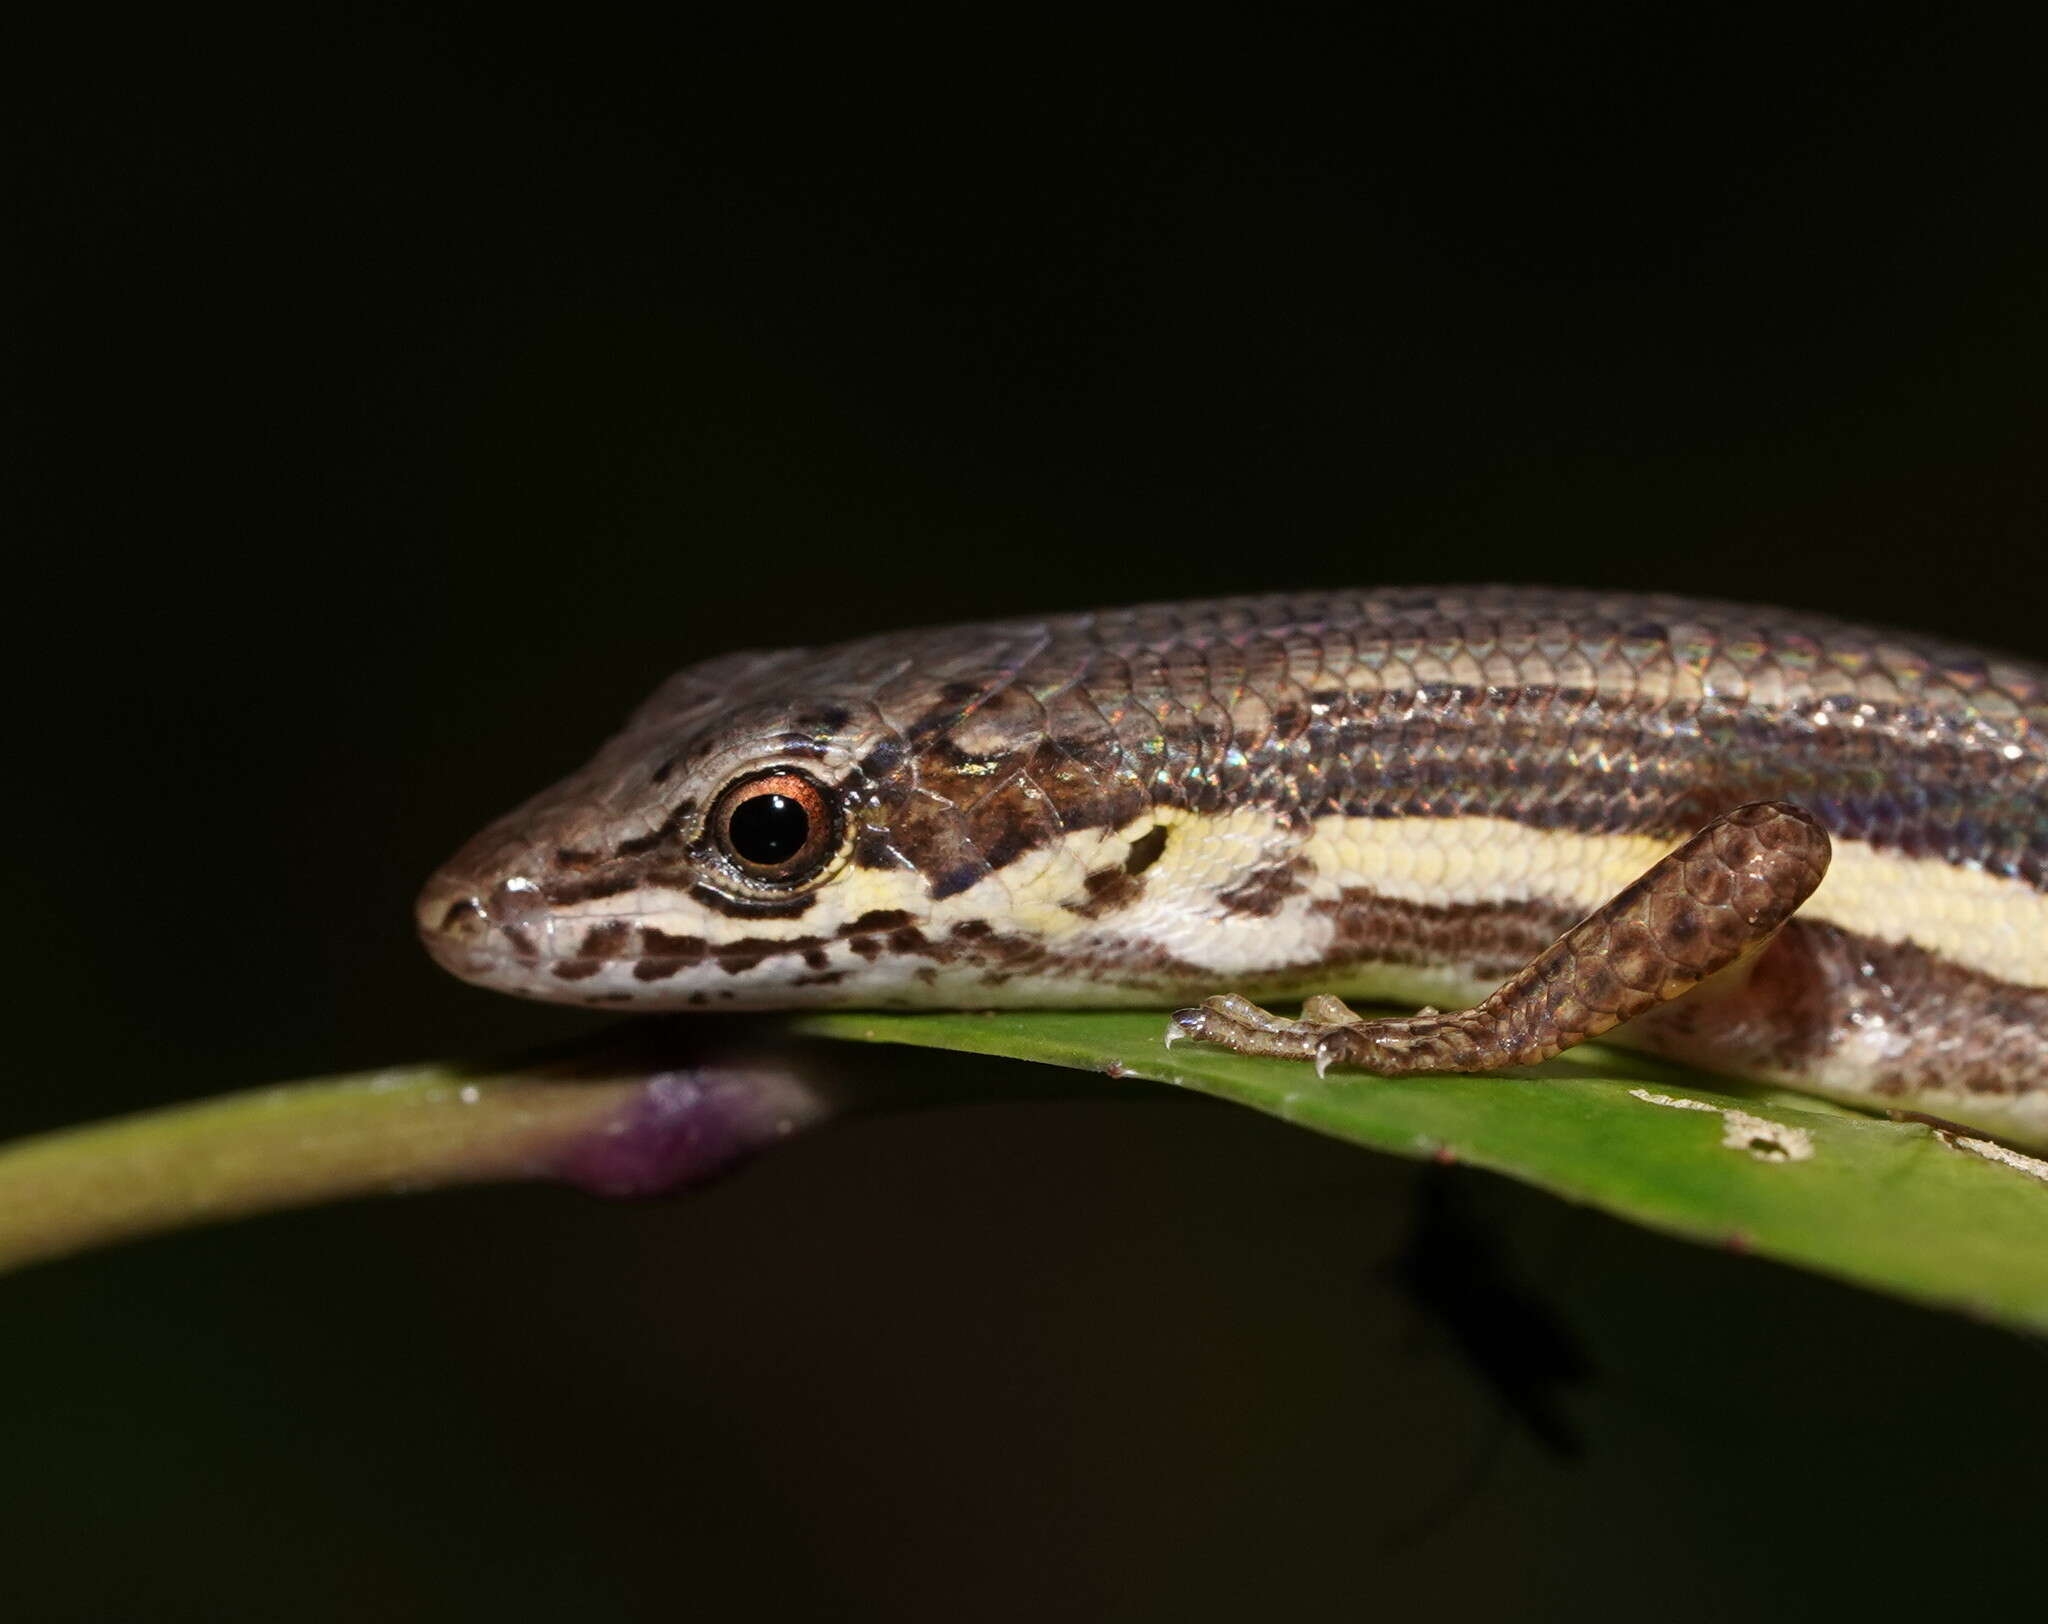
{"x": 1892, "y": 1206}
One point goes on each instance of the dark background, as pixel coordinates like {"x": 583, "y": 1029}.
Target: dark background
{"x": 400, "y": 398}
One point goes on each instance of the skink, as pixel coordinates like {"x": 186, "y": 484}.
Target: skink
{"x": 1765, "y": 842}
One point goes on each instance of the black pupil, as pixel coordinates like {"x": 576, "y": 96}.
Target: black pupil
{"x": 768, "y": 829}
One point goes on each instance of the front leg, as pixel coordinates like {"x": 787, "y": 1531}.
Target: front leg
{"x": 1719, "y": 897}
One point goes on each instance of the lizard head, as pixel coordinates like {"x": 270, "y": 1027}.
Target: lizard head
{"x": 845, "y": 825}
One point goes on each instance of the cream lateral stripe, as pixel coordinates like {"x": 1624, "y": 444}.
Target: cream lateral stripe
{"x": 1025, "y": 899}
{"x": 1997, "y": 927}
{"x": 1994, "y": 926}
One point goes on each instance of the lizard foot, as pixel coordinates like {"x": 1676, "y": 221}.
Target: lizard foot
{"x": 1716, "y": 899}
{"x": 1328, "y": 1032}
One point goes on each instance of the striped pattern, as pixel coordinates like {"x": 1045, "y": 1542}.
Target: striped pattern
{"x": 1397, "y": 794}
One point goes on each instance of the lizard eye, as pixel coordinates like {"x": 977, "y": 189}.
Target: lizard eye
{"x": 776, "y": 826}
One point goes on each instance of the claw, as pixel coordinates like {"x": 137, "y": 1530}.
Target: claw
{"x": 1236, "y": 1010}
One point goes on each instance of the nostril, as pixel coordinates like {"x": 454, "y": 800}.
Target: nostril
{"x": 463, "y": 921}
{"x": 473, "y": 920}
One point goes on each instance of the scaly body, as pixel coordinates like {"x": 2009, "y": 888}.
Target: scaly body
{"x": 1405, "y": 794}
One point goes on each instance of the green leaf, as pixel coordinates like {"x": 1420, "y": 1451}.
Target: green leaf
{"x": 1896, "y": 1206}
